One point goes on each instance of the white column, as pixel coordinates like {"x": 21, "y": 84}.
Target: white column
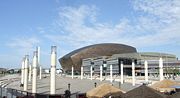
{"x": 133, "y": 73}
{"x": 22, "y": 72}
{"x": 34, "y": 68}
{"x": 122, "y": 73}
{"x": 81, "y": 72}
{"x": 91, "y": 72}
{"x": 101, "y": 73}
{"x": 72, "y": 73}
{"x": 30, "y": 72}
{"x": 161, "y": 69}
{"x": 40, "y": 69}
{"x": 146, "y": 70}
{"x": 26, "y": 72}
{"x": 53, "y": 70}
{"x": 111, "y": 74}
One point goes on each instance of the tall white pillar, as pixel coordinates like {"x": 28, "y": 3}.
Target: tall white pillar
{"x": 40, "y": 68}
{"x": 72, "y": 73}
{"x": 30, "y": 72}
{"x": 122, "y": 72}
{"x": 161, "y": 69}
{"x": 133, "y": 73}
{"x": 111, "y": 74}
{"x": 101, "y": 73}
{"x": 53, "y": 70}
{"x": 81, "y": 72}
{"x": 22, "y": 72}
{"x": 34, "y": 68}
{"x": 26, "y": 72}
{"x": 146, "y": 70}
{"x": 91, "y": 72}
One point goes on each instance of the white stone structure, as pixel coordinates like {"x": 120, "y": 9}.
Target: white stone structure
{"x": 101, "y": 73}
{"x": 161, "y": 69}
{"x": 30, "y": 72}
{"x": 146, "y": 70}
{"x": 40, "y": 67}
{"x": 53, "y": 70}
{"x": 26, "y": 72}
{"x": 81, "y": 72}
{"x": 122, "y": 79}
{"x": 133, "y": 73}
{"x": 22, "y": 71}
{"x": 111, "y": 74}
{"x": 34, "y": 68}
{"x": 91, "y": 72}
{"x": 72, "y": 73}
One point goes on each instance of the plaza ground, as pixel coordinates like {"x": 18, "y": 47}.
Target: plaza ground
{"x": 76, "y": 84}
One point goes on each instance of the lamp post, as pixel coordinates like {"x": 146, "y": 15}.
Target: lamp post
{"x": 95, "y": 84}
{"x": 53, "y": 70}
{"x": 34, "y": 67}
{"x": 69, "y": 86}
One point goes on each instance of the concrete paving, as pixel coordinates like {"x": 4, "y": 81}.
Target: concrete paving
{"x": 76, "y": 85}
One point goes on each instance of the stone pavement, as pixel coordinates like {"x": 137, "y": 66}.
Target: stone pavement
{"x": 76, "y": 85}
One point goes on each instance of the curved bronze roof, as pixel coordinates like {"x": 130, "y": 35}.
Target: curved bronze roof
{"x": 106, "y": 49}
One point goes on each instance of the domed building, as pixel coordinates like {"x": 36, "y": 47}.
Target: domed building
{"x": 76, "y": 57}
{"x": 107, "y": 54}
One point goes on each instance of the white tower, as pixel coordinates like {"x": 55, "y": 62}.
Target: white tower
{"x": 122, "y": 72}
{"x": 53, "y": 70}
{"x": 22, "y": 71}
{"x": 40, "y": 68}
{"x": 26, "y": 72}
{"x": 34, "y": 68}
{"x": 161, "y": 69}
{"x": 72, "y": 73}
{"x": 133, "y": 73}
{"x": 81, "y": 72}
{"x": 111, "y": 79}
{"x": 146, "y": 70}
{"x": 101, "y": 73}
{"x": 30, "y": 72}
{"x": 91, "y": 71}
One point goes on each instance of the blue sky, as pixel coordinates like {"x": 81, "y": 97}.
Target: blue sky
{"x": 148, "y": 25}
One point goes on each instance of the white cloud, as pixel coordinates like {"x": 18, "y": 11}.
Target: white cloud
{"x": 23, "y": 44}
{"x": 166, "y": 10}
{"x": 157, "y": 24}
{"x": 162, "y": 19}
{"x": 81, "y": 28}
{"x": 41, "y": 30}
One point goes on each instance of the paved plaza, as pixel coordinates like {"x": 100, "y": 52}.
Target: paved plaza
{"x": 76, "y": 85}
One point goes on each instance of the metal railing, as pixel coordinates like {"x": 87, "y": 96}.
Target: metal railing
{"x": 14, "y": 93}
